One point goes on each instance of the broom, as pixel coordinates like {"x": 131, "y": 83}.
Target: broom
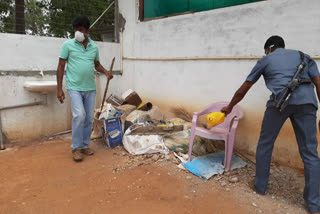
{"x": 181, "y": 112}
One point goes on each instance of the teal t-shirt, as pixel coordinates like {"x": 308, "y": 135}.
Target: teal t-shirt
{"x": 80, "y": 64}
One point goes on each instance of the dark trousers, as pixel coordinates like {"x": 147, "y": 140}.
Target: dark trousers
{"x": 304, "y": 122}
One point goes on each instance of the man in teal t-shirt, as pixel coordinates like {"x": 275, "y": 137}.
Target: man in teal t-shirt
{"x": 81, "y": 55}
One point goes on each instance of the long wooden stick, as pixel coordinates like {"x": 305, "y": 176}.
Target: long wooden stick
{"x": 105, "y": 91}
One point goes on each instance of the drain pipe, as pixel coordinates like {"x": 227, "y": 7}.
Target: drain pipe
{"x": 43, "y": 102}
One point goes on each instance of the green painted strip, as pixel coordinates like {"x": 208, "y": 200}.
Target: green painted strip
{"x": 157, "y": 8}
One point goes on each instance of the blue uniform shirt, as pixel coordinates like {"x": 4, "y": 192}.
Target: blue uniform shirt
{"x": 278, "y": 69}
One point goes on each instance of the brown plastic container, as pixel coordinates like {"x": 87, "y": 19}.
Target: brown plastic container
{"x": 133, "y": 99}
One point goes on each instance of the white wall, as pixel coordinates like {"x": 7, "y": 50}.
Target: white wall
{"x": 34, "y": 53}
{"x": 23, "y": 54}
{"x": 233, "y": 31}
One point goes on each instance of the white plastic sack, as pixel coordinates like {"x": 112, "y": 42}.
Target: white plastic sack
{"x": 138, "y": 116}
{"x": 110, "y": 110}
{"x": 143, "y": 144}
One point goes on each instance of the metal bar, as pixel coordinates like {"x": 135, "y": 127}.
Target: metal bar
{"x": 102, "y": 14}
{"x": 23, "y": 105}
{"x": 43, "y": 102}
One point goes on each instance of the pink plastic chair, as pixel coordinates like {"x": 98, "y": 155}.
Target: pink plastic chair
{"x": 225, "y": 131}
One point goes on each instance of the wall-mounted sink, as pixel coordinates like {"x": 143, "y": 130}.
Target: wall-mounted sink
{"x": 43, "y": 87}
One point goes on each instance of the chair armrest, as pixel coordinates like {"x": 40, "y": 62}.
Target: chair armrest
{"x": 195, "y": 118}
{"x": 235, "y": 124}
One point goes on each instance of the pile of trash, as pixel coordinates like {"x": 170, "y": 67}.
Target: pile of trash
{"x": 143, "y": 129}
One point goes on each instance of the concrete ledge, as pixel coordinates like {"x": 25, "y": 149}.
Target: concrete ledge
{"x": 38, "y": 73}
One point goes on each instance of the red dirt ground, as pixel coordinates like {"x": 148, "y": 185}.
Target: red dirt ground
{"x": 40, "y": 177}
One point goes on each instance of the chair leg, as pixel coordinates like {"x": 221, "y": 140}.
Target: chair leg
{"x": 225, "y": 163}
{"x": 230, "y": 143}
{"x": 191, "y": 144}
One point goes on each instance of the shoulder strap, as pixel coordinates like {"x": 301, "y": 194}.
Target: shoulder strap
{"x": 301, "y": 56}
{"x": 302, "y": 63}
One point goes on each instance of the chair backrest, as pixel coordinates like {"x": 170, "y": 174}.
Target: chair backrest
{"x": 216, "y": 107}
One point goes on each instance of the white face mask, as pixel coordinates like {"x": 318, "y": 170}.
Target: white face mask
{"x": 79, "y": 36}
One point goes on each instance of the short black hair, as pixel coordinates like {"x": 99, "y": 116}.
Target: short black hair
{"x": 277, "y": 41}
{"x": 81, "y": 21}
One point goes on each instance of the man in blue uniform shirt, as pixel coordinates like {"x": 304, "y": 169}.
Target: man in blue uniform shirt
{"x": 278, "y": 68}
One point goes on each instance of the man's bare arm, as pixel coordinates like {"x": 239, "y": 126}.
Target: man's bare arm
{"x": 238, "y": 96}
{"x": 60, "y": 72}
{"x": 316, "y": 82}
{"x": 101, "y": 69}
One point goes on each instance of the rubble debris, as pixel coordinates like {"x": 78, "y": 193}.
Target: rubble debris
{"x": 233, "y": 180}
